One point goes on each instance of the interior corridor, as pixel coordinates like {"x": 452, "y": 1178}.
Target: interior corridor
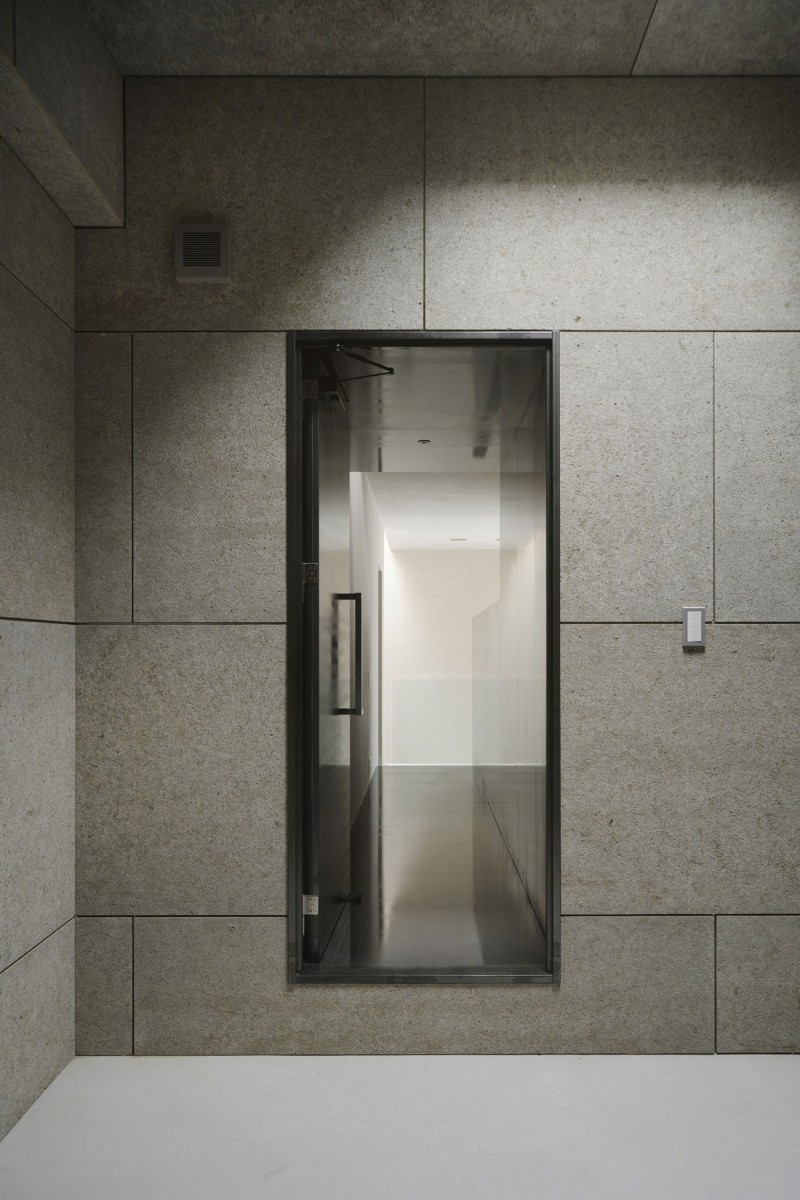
{"x": 433, "y": 882}
{"x": 425, "y": 655}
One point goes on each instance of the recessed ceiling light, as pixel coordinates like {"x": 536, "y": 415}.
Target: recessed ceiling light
{"x": 458, "y": 539}
{"x": 424, "y": 441}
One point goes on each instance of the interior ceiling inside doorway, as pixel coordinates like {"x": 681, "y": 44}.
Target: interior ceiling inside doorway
{"x": 443, "y": 410}
{"x": 448, "y": 37}
{"x": 425, "y": 511}
{"x": 435, "y": 434}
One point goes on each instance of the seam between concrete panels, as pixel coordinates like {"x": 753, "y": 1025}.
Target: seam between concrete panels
{"x": 188, "y": 624}
{"x": 281, "y": 916}
{"x": 38, "y": 621}
{"x": 447, "y": 78}
{"x": 36, "y": 945}
{"x": 739, "y": 621}
{"x": 133, "y": 987}
{"x": 714, "y": 477}
{"x": 644, "y": 38}
{"x": 716, "y": 1012}
{"x": 133, "y": 464}
{"x": 133, "y": 468}
{"x": 437, "y": 328}
{"x": 38, "y": 298}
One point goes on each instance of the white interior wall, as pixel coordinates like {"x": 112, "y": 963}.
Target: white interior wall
{"x": 430, "y": 599}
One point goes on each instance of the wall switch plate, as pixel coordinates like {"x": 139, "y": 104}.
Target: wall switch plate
{"x": 694, "y": 627}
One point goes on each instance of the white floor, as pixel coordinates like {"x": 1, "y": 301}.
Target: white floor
{"x": 411, "y": 1128}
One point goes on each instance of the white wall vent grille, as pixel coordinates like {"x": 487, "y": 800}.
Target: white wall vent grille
{"x": 203, "y": 253}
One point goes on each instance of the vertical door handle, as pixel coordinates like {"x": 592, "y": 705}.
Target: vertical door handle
{"x": 357, "y": 710}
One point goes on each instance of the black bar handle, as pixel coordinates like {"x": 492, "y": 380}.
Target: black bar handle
{"x": 358, "y": 708}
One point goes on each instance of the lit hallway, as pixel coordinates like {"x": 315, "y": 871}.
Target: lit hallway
{"x": 435, "y": 882}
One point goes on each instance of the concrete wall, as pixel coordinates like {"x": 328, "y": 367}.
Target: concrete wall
{"x": 656, "y": 223}
{"x": 37, "y": 642}
{"x": 61, "y": 106}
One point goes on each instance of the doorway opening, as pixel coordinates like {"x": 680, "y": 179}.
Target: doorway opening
{"x": 423, "y": 657}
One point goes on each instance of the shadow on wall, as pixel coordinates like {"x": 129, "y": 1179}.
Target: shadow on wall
{"x": 549, "y": 203}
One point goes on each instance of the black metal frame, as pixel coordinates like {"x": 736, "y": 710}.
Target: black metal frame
{"x": 298, "y": 519}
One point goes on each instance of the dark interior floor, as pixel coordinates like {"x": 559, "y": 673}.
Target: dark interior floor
{"x": 437, "y": 886}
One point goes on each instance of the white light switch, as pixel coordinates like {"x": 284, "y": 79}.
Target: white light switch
{"x": 694, "y": 626}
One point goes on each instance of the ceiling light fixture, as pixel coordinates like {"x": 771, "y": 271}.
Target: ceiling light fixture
{"x": 424, "y": 441}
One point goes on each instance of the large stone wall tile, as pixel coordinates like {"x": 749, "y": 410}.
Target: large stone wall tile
{"x": 180, "y": 797}
{"x": 636, "y": 475}
{"x": 320, "y": 180}
{"x": 758, "y": 985}
{"x": 524, "y": 37}
{"x": 721, "y": 37}
{"x": 37, "y": 557}
{"x": 37, "y": 1022}
{"x": 64, "y": 61}
{"x": 612, "y": 204}
{"x": 103, "y": 470}
{"x": 218, "y": 986}
{"x": 757, "y": 434}
{"x": 679, "y": 770}
{"x": 103, "y": 985}
{"x": 37, "y": 242}
{"x": 37, "y": 783}
{"x": 209, "y": 477}
{"x": 7, "y": 27}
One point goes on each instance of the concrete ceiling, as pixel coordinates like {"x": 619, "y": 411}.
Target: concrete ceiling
{"x": 451, "y": 37}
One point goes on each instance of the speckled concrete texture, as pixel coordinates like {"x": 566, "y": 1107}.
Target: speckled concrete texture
{"x": 321, "y": 186}
{"x": 636, "y": 475}
{"x": 218, "y": 986}
{"x": 758, "y": 985}
{"x": 31, "y": 132}
{"x": 37, "y": 242}
{"x": 103, "y": 985}
{"x": 7, "y": 27}
{"x": 679, "y": 770}
{"x": 37, "y": 1022}
{"x": 757, "y": 405}
{"x": 64, "y": 61}
{"x": 103, "y": 469}
{"x": 612, "y": 204}
{"x": 37, "y": 783}
{"x": 37, "y": 568}
{"x": 209, "y": 477}
{"x": 356, "y": 37}
{"x": 722, "y": 37}
{"x": 180, "y": 792}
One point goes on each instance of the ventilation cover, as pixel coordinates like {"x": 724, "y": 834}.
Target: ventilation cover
{"x": 203, "y": 253}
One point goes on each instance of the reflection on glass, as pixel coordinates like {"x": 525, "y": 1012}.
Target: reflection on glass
{"x": 446, "y": 549}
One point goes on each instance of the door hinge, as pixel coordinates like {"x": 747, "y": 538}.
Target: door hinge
{"x": 310, "y": 573}
{"x": 310, "y": 906}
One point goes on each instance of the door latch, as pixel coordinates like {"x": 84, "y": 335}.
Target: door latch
{"x": 310, "y": 573}
{"x": 310, "y": 906}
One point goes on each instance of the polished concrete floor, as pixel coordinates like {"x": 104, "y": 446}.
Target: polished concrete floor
{"x": 613, "y": 1128}
{"x": 437, "y": 886}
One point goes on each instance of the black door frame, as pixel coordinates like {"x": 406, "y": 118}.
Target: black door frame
{"x": 297, "y": 524}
